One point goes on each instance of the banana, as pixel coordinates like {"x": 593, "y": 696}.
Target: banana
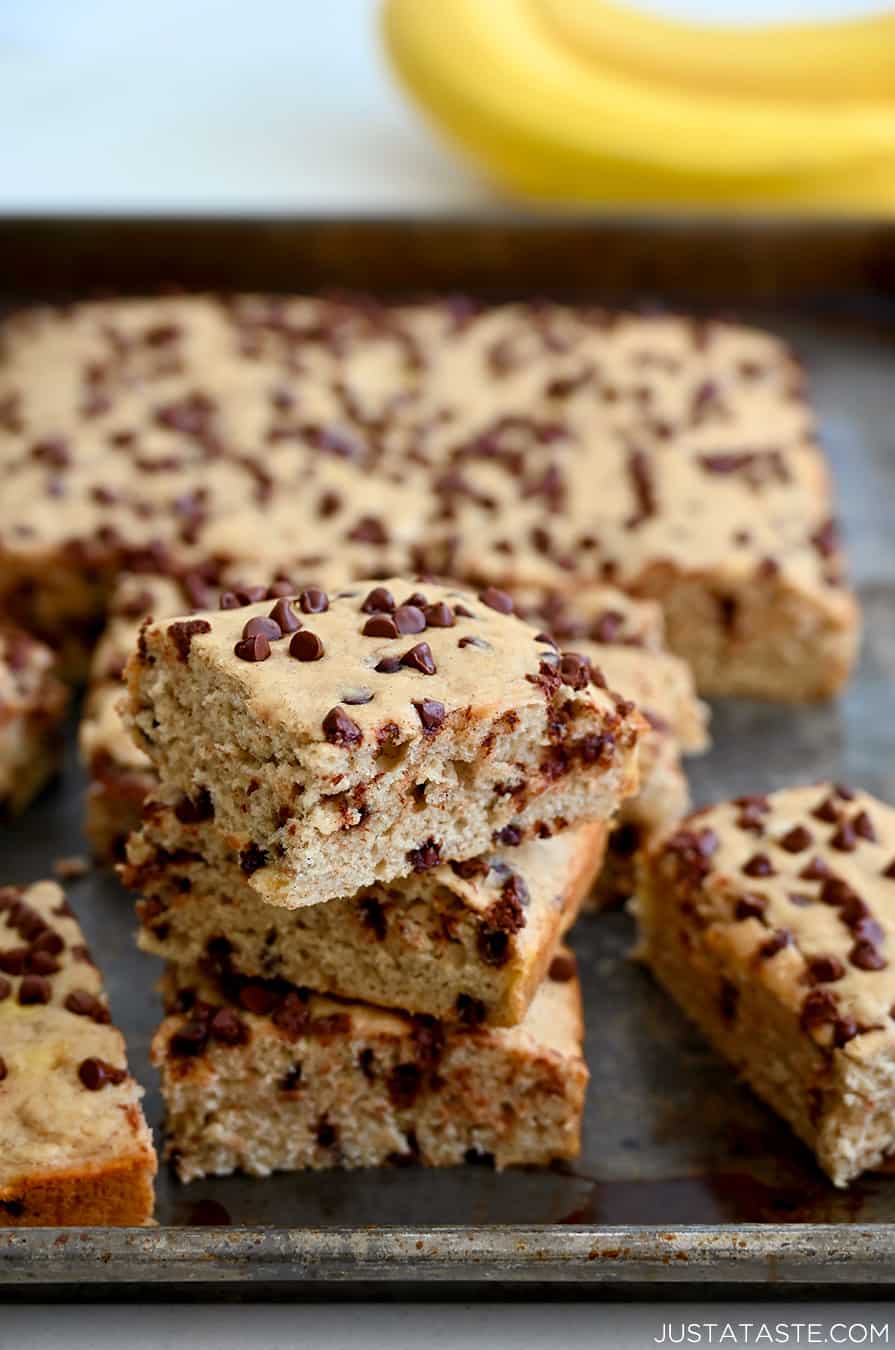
{"x": 827, "y": 62}
{"x": 554, "y": 122}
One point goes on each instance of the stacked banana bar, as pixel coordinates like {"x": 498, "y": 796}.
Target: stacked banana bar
{"x": 376, "y": 811}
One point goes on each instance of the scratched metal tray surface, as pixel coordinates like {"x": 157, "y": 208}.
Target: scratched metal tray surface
{"x": 686, "y": 1183}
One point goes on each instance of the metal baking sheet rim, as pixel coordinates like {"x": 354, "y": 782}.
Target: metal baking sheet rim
{"x": 750, "y": 1254}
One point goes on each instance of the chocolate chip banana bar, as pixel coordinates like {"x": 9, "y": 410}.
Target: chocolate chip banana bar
{"x": 465, "y": 942}
{"x": 74, "y": 1147}
{"x": 33, "y": 703}
{"x": 341, "y": 739}
{"x": 771, "y": 921}
{"x": 265, "y": 1077}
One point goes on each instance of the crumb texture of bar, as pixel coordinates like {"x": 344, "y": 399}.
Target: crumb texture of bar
{"x": 275, "y": 1079}
{"x": 536, "y": 446}
{"x": 468, "y": 942}
{"x": 33, "y": 703}
{"x": 771, "y": 921}
{"x": 369, "y": 733}
{"x": 74, "y": 1146}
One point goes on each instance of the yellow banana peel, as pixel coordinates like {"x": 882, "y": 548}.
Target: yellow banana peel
{"x": 853, "y": 58}
{"x": 545, "y": 95}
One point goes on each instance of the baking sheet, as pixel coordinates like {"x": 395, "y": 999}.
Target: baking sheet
{"x": 679, "y": 1161}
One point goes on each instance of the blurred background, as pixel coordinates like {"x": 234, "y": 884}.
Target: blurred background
{"x": 293, "y": 106}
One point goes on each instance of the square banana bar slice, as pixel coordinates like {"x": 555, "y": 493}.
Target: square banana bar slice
{"x": 273, "y": 1078}
{"x": 342, "y": 739}
{"x": 771, "y": 921}
{"x": 32, "y": 708}
{"x": 74, "y": 1147}
{"x": 466, "y": 942}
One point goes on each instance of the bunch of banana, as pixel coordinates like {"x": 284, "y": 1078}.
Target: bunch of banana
{"x": 585, "y": 101}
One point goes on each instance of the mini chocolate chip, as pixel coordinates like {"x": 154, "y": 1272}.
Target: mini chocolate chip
{"x": 379, "y": 601}
{"x": 5, "y": 988}
{"x": 420, "y": 658}
{"x": 439, "y": 615}
{"x": 34, "y": 989}
{"x": 409, "y": 619}
{"x": 431, "y": 714}
{"x": 844, "y": 839}
{"x": 775, "y": 943}
{"x": 866, "y": 956}
{"x": 562, "y": 968}
{"x": 750, "y": 906}
{"x": 313, "y": 600}
{"x": 381, "y": 626}
{"x": 510, "y": 835}
{"x": 12, "y": 961}
{"x": 866, "y": 927}
{"x": 229, "y": 600}
{"x": 306, "y": 646}
{"x": 389, "y": 665}
{"x": 815, "y": 870}
{"x": 182, "y": 634}
{"x": 545, "y": 637}
{"x": 417, "y": 599}
{"x": 98, "y": 1073}
{"x": 827, "y": 811}
{"x": 575, "y": 670}
{"x": 463, "y": 613}
{"x": 825, "y": 969}
{"x": 84, "y": 1004}
{"x": 863, "y": 826}
{"x": 818, "y": 1007}
{"x": 339, "y": 729}
{"x": 285, "y": 617}
{"x": 41, "y": 963}
{"x": 255, "y": 648}
{"x": 797, "y": 839}
{"x": 889, "y": 872}
{"x": 261, "y": 627}
{"x": 759, "y": 866}
{"x": 49, "y": 942}
{"x": 475, "y": 642}
{"x": 355, "y": 697}
{"x": 498, "y": 600}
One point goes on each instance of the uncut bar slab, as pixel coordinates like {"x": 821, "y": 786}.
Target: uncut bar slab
{"x": 466, "y": 942}
{"x": 513, "y": 445}
{"x": 384, "y": 753}
{"x": 33, "y": 703}
{"x": 303, "y": 1081}
{"x": 74, "y": 1147}
{"x": 771, "y": 921}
